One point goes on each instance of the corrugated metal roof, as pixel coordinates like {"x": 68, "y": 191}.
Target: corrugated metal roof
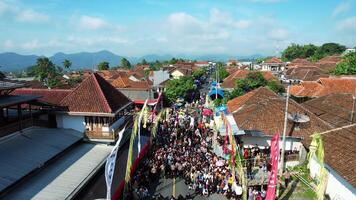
{"x": 61, "y": 178}
{"x": 22, "y": 153}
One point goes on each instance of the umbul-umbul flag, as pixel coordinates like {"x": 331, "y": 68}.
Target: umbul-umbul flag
{"x": 139, "y": 127}
{"x": 110, "y": 165}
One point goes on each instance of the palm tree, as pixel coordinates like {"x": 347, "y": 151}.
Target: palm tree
{"x": 66, "y": 64}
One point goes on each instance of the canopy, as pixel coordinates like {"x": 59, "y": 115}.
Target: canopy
{"x": 219, "y": 92}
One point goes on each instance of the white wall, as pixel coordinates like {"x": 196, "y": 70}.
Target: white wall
{"x": 71, "y": 122}
{"x": 291, "y": 143}
{"x": 338, "y": 188}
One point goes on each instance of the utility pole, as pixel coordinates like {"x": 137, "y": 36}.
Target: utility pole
{"x": 284, "y": 139}
{"x": 353, "y": 107}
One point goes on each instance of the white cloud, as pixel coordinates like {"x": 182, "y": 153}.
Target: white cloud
{"x": 31, "y": 45}
{"x": 8, "y": 44}
{"x": 347, "y": 25}
{"x": 278, "y": 34}
{"x": 341, "y": 8}
{"x": 30, "y": 15}
{"x": 7, "y": 8}
{"x": 92, "y": 23}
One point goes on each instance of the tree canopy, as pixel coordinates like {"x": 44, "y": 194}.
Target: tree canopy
{"x": 103, "y": 66}
{"x": 46, "y": 72}
{"x": 311, "y": 51}
{"x": 198, "y": 73}
{"x": 67, "y": 64}
{"x": 347, "y": 66}
{"x": 179, "y": 88}
{"x": 221, "y": 71}
{"x": 253, "y": 81}
{"x": 125, "y": 63}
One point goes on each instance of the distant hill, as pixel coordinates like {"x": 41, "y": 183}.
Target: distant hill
{"x": 87, "y": 60}
{"x": 16, "y": 62}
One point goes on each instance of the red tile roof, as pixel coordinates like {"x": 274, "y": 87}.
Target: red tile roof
{"x": 263, "y": 110}
{"x": 339, "y": 150}
{"x": 273, "y": 60}
{"x": 51, "y": 96}
{"x": 201, "y": 63}
{"x": 95, "y": 95}
{"x": 305, "y": 73}
{"x": 335, "y": 109}
{"x": 324, "y": 86}
{"x": 122, "y": 82}
{"x": 229, "y": 82}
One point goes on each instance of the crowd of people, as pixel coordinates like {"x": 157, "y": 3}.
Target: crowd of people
{"x": 183, "y": 148}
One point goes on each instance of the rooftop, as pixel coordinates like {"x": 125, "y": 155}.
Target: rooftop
{"x": 95, "y": 95}
{"x": 305, "y": 73}
{"x": 263, "y": 110}
{"x": 324, "y": 86}
{"x": 339, "y": 147}
{"x": 11, "y": 100}
{"x": 22, "y": 153}
{"x": 51, "y": 96}
{"x": 335, "y": 109}
{"x": 229, "y": 82}
{"x": 62, "y": 178}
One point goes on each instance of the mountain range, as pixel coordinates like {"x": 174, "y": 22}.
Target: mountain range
{"x": 10, "y": 61}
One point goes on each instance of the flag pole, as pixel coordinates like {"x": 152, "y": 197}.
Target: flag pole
{"x": 284, "y": 138}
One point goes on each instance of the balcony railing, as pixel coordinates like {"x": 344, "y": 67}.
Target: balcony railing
{"x": 108, "y": 135}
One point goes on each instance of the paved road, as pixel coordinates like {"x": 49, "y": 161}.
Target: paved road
{"x": 168, "y": 187}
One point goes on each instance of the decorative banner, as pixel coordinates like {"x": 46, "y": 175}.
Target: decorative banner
{"x": 156, "y": 122}
{"x": 139, "y": 126}
{"x": 272, "y": 179}
{"x": 110, "y": 164}
{"x": 317, "y": 153}
{"x": 129, "y": 157}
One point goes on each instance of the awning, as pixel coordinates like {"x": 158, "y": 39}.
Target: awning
{"x": 216, "y": 92}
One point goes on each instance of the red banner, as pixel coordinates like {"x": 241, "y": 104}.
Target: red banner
{"x": 272, "y": 179}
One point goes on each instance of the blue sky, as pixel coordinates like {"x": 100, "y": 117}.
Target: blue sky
{"x": 136, "y": 28}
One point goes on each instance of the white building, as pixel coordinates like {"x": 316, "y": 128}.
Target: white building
{"x": 339, "y": 162}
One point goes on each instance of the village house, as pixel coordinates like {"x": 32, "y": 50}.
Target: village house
{"x": 274, "y": 65}
{"x": 158, "y": 77}
{"x": 229, "y": 82}
{"x": 339, "y": 162}
{"x": 180, "y": 72}
{"x": 259, "y": 115}
{"x": 335, "y": 109}
{"x": 42, "y": 133}
{"x": 94, "y": 107}
{"x": 231, "y": 62}
{"x": 324, "y": 86}
{"x": 202, "y": 64}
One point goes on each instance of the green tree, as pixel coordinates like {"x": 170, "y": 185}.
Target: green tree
{"x": 179, "y": 88}
{"x": 144, "y": 62}
{"x": 253, "y": 81}
{"x": 221, "y": 71}
{"x": 125, "y": 63}
{"x": 293, "y": 51}
{"x": 332, "y": 48}
{"x": 275, "y": 86}
{"x": 347, "y": 66}
{"x": 44, "y": 69}
{"x": 103, "y": 66}
{"x": 156, "y": 65}
{"x": 198, "y": 73}
{"x": 67, "y": 64}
